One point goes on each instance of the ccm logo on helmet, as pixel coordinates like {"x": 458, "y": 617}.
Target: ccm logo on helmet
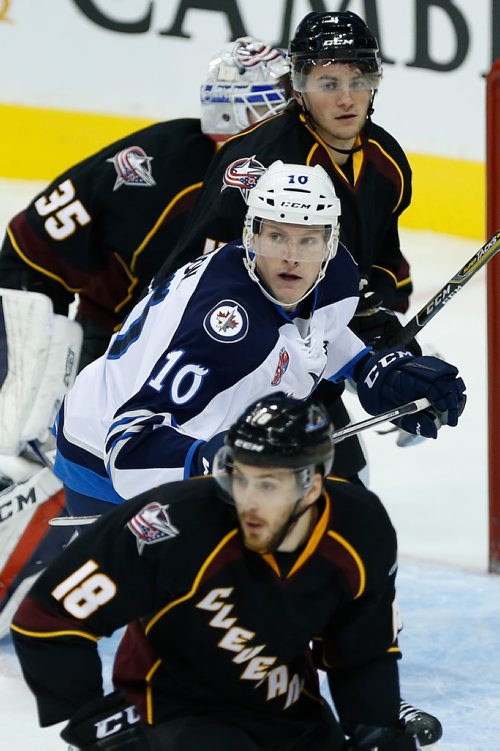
{"x": 295, "y": 205}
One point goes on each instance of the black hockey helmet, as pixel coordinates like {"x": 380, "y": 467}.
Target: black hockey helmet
{"x": 278, "y": 431}
{"x": 343, "y": 37}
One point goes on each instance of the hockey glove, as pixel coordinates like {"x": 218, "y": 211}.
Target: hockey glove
{"x": 109, "y": 723}
{"x": 393, "y": 377}
{"x": 203, "y": 457}
{"x": 368, "y": 738}
{"x": 376, "y": 325}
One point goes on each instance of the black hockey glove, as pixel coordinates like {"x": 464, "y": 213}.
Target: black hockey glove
{"x": 110, "y": 723}
{"x": 368, "y": 738}
{"x": 203, "y": 457}
{"x": 392, "y": 378}
{"x": 376, "y": 325}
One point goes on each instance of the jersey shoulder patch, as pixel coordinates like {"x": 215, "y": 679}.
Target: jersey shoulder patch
{"x": 244, "y": 174}
{"x": 151, "y": 525}
{"x": 133, "y": 167}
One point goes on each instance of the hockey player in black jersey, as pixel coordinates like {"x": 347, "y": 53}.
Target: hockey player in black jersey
{"x": 335, "y": 74}
{"x": 225, "y": 582}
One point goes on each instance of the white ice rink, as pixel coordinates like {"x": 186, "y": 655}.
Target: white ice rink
{"x": 436, "y": 494}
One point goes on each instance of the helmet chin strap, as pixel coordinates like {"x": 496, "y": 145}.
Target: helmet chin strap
{"x": 313, "y": 126}
{"x": 289, "y": 525}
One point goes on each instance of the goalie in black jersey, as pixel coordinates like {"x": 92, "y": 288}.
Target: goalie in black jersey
{"x": 225, "y": 582}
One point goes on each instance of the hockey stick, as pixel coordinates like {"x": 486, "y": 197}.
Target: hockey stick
{"x": 454, "y": 285}
{"x": 393, "y": 414}
{"x": 337, "y": 436}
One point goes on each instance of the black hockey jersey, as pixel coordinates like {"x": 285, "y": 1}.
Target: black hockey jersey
{"x": 216, "y": 628}
{"x": 103, "y": 228}
{"x": 374, "y": 189}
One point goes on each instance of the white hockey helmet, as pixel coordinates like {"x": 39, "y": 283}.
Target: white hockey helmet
{"x": 244, "y": 85}
{"x": 292, "y": 194}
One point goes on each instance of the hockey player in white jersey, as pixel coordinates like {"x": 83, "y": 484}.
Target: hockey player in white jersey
{"x": 268, "y": 313}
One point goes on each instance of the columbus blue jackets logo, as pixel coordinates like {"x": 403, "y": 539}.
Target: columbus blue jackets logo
{"x": 227, "y": 322}
{"x": 152, "y": 524}
{"x": 243, "y": 174}
{"x": 133, "y": 167}
{"x": 283, "y": 360}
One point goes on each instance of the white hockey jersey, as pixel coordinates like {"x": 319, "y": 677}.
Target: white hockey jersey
{"x": 190, "y": 357}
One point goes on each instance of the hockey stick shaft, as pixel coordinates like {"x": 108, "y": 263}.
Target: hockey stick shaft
{"x": 393, "y": 414}
{"x": 337, "y": 436}
{"x": 454, "y": 285}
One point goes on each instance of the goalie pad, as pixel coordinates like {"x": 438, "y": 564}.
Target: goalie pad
{"x": 25, "y": 510}
{"x": 39, "y": 353}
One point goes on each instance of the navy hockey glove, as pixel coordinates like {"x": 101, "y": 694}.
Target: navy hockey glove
{"x": 368, "y": 738}
{"x": 392, "y": 378}
{"x": 109, "y": 723}
{"x": 376, "y": 325}
{"x": 203, "y": 457}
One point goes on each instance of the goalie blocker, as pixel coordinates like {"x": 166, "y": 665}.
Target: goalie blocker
{"x": 39, "y": 354}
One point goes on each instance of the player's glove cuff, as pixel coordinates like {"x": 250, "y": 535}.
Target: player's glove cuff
{"x": 109, "y": 723}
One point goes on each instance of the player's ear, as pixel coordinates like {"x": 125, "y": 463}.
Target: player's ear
{"x": 315, "y": 490}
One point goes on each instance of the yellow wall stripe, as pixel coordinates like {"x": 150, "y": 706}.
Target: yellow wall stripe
{"x": 39, "y": 144}
{"x": 449, "y": 195}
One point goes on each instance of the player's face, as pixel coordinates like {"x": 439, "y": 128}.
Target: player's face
{"x": 288, "y": 258}
{"x": 337, "y": 97}
{"x": 264, "y": 499}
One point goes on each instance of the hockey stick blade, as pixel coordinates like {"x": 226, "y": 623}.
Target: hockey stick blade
{"x": 337, "y": 436}
{"x": 393, "y": 414}
{"x": 454, "y": 285}
{"x": 72, "y": 521}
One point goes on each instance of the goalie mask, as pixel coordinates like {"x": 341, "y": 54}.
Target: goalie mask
{"x": 291, "y": 194}
{"x": 245, "y": 84}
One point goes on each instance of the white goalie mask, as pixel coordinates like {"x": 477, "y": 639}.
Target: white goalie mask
{"x": 243, "y": 86}
{"x": 299, "y": 195}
